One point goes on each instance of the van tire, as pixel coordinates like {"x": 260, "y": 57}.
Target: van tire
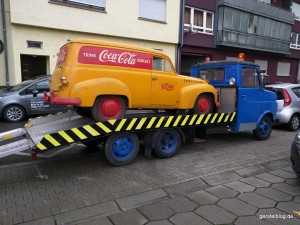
{"x": 108, "y": 107}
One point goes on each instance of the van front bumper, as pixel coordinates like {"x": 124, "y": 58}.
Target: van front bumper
{"x": 60, "y": 101}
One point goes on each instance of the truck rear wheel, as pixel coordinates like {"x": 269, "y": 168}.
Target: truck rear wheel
{"x": 108, "y": 107}
{"x": 166, "y": 143}
{"x": 121, "y": 149}
{"x": 264, "y": 129}
{"x": 203, "y": 104}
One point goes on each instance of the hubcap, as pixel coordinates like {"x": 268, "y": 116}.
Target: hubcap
{"x": 14, "y": 114}
{"x": 264, "y": 128}
{"x": 110, "y": 108}
{"x": 168, "y": 142}
{"x": 122, "y": 147}
{"x": 295, "y": 123}
{"x": 203, "y": 104}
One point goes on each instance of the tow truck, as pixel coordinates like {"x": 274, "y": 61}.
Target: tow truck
{"x": 244, "y": 106}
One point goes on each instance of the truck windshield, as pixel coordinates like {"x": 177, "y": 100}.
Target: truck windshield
{"x": 213, "y": 74}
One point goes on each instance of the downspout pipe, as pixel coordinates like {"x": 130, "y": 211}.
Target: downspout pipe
{"x": 181, "y": 33}
{"x": 5, "y": 42}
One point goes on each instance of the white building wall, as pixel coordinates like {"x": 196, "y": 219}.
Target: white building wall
{"x": 53, "y": 24}
{"x": 53, "y": 39}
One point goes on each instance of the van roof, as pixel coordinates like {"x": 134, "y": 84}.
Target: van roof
{"x": 116, "y": 45}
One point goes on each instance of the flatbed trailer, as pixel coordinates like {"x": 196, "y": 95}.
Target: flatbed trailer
{"x": 161, "y": 133}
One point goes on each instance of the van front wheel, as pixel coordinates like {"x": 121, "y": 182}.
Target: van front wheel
{"x": 108, "y": 107}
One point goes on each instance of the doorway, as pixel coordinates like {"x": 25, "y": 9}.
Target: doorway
{"x": 187, "y": 61}
{"x": 32, "y": 66}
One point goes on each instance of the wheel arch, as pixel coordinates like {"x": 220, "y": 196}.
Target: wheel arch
{"x": 267, "y": 113}
{"x": 94, "y": 88}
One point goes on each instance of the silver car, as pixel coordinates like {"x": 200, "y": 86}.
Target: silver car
{"x": 288, "y": 101}
{"x": 27, "y": 98}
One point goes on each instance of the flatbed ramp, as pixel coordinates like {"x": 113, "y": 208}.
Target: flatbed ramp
{"x": 62, "y": 130}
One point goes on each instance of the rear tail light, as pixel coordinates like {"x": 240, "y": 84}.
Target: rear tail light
{"x": 287, "y": 98}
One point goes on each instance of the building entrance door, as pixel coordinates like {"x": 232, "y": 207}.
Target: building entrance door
{"x": 32, "y": 66}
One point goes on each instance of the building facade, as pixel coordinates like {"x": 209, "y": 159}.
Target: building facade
{"x": 267, "y": 31}
{"x": 36, "y": 29}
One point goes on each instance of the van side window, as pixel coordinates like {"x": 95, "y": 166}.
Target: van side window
{"x": 161, "y": 64}
{"x": 249, "y": 78}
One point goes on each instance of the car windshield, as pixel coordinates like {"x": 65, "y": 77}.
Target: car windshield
{"x": 21, "y": 85}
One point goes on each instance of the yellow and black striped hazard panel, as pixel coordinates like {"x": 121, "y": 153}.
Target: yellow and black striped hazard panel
{"x": 102, "y": 129}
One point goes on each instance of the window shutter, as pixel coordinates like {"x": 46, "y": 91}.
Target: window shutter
{"x": 99, "y": 3}
{"x": 296, "y": 10}
{"x": 283, "y": 69}
{"x": 153, "y": 9}
{"x": 263, "y": 64}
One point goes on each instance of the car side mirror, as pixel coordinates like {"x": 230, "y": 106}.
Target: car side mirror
{"x": 35, "y": 92}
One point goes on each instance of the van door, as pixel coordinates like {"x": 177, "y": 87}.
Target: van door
{"x": 164, "y": 88}
{"x": 251, "y": 100}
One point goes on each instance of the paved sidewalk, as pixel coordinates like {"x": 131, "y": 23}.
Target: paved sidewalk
{"x": 264, "y": 194}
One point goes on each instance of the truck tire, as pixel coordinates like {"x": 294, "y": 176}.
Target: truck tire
{"x": 108, "y": 107}
{"x": 14, "y": 113}
{"x": 166, "y": 143}
{"x": 121, "y": 149}
{"x": 203, "y": 104}
{"x": 294, "y": 123}
{"x": 264, "y": 129}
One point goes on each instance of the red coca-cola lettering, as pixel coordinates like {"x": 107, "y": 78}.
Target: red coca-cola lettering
{"x": 114, "y": 57}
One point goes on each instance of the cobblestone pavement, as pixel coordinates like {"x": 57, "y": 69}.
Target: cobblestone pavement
{"x": 228, "y": 179}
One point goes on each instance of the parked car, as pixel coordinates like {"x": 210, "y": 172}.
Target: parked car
{"x": 295, "y": 154}
{"x": 288, "y": 102}
{"x": 27, "y": 98}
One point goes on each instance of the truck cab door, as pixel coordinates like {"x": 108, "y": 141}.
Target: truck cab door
{"x": 251, "y": 102}
{"x": 164, "y": 83}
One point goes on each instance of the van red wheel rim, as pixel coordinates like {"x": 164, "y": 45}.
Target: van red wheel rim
{"x": 203, "y": 104}
{"x": 110, "y": 108}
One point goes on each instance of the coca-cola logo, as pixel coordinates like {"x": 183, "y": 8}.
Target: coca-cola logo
{"x": 122, "y": 58}
{"x": 114, "y": 57}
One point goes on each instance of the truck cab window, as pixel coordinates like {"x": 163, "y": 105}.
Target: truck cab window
{"x": 215, "y": 74}
{"x": 249, "y": 78}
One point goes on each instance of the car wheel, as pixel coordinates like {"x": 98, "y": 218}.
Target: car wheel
{"x": 108, "y": 107}
{"x": 294, "y": 123}
{"x": 203, "y": 104}
{"x": 264, "y": 129}
{"x": 14, "y": 113}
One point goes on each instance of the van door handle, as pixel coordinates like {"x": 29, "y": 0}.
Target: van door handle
{"x": 154, "y": 78}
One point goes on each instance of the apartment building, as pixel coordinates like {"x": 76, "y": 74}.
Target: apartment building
{"x": 267, "y": 31}
{"x": 33, "y": 31}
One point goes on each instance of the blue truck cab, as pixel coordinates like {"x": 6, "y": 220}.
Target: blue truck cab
{"x": 240, "y": 86}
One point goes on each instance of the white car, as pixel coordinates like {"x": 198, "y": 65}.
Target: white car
{"x": 288, "y": 101}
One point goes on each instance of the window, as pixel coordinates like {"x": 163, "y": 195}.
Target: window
{"x": 161, "y": 65}
{"x": 153, "y": 10}
{"x": 263, "y": 64}
{"x": 295, "y": 40}
{"x": 265, "y": 1}
{"x": 215, "y": 74}
{"x": 296, "y": 91}
{"x": 40, "y": 86}
{"x": 283, "y": 69}
{"x": 198, "y": 21}
{"x": 34, "y": 44}
{"x": 296, "y": 10}
{"x": 249, "y": 78}
{"x": 91, "y": 4}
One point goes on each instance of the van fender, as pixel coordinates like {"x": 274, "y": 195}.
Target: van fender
{"x": 87, "y": 91}
{"x": 268, "y": 113}
{"x": 190, "y": 94}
